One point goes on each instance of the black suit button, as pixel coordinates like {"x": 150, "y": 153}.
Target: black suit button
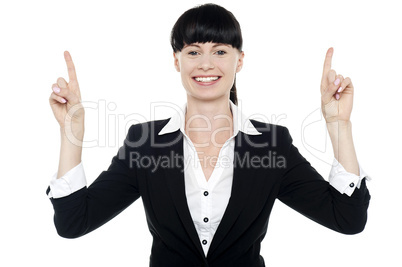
{"x": 206, "y": 193}
{"x": 204, "y": 242}
{"x": 206, "y": 219}
{"x": 352, "y": 185}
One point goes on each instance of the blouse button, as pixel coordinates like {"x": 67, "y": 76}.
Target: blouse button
{"x": 206, "y": 219}
{"x": 206, "y": 193}
{"x": 204, "y": 242}
{"x": 352, "y": 185}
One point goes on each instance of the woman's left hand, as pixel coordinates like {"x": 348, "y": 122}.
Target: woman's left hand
{"x": 336, "y": 93}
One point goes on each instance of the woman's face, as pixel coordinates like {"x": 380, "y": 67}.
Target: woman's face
{"x": 208, "y": 69}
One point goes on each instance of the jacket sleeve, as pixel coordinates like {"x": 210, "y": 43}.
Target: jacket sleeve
{"x": 305, "y": 190}
{"x": 90, "y": 207}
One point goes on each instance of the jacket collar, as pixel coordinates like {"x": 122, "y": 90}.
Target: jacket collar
{"x": 240, "y": 122}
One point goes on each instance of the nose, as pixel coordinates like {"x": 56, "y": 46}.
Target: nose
{"x": 205, "y": 63}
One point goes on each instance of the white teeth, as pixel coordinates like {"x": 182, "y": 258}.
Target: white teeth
{"x": 206, "y": 79}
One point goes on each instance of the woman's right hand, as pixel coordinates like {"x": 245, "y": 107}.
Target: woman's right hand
{"x": 65, "y": 100}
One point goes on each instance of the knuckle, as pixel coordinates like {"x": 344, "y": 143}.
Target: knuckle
{"x": 52, "y": 97}
{"x": 61, "y": 82}
{"x": 74, "y": 83}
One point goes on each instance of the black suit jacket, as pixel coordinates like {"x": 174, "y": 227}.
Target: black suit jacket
{"x": 266, "y": 167}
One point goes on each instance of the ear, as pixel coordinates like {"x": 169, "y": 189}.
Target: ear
{"x": 176, "y": 61}
{"x": 240, "y": 62}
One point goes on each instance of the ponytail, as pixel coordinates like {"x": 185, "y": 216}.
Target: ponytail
{"x": 233, "y": 93}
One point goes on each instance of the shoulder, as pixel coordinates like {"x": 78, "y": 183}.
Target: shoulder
{"x": 143, "y": 135}
{"x": 273, "y": 135}
{"x": 148, "y": 127}
{"x": 270, "y": 128}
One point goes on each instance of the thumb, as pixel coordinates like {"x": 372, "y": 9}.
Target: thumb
{"x": 62, "y": 83}
{"x": 67, "y": 93}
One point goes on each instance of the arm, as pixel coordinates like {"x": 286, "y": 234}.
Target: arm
{"x": 70, "y": 153}
{"x": 340, "y": 133}
{"x": 346, "y": 173}
{"x": 78, "y": 209}
{"x": 305, "y": 190}
{"x": 88, "y": 208}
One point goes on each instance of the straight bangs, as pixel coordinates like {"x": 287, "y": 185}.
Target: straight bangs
{"x": 206, "y": 23}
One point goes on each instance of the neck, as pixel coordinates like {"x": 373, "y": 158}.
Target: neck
{"x": 206, "y": 117}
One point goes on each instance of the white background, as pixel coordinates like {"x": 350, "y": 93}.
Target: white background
{"x": 122, "y": 56}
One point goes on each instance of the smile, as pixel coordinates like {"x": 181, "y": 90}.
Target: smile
{"x": 206, "y": 79}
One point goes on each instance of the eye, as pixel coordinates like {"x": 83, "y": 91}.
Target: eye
{"x": 192, "y": 53}
{"x": 221, "y": 52}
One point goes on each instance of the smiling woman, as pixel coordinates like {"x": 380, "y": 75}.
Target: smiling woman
{"x": 208, "y": 183}
{"x": 208, "y": 24}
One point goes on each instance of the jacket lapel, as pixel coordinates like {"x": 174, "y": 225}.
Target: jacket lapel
{"x": 241, "y": 188}
{"x": 174, "y": 176}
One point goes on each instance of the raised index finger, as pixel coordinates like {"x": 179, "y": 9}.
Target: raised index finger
{"x": 327, "y": 62}
{"x": 70, "y": 66}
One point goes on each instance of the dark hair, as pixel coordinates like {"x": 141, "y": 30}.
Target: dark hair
{"x": 207, "y": 23}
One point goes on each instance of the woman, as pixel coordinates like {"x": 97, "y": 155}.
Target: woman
{"x": 207, "y": 183}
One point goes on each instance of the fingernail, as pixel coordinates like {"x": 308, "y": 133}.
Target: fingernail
{"x": 340, "y": 89}
{"x": 337, "y": 96}
{"x": 56, "y": 89}
{"x": 337, "y": 81}
{"x": 63, "y": 100}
